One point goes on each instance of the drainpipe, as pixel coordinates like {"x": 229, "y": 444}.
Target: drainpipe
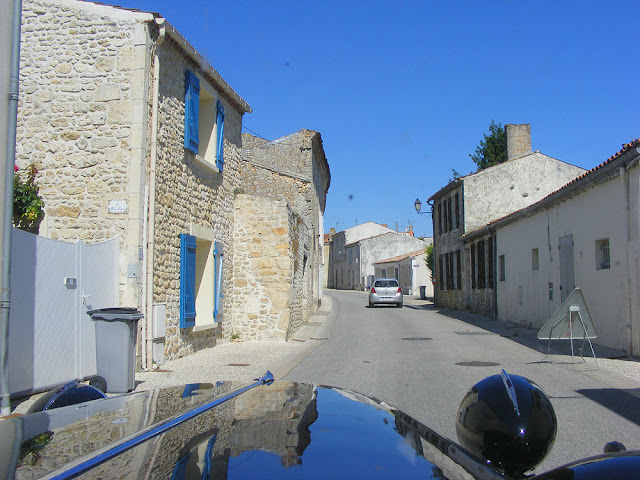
{"x": 152, "y": 198}
{"x": 12, "y": 119}
{"x": 624, "y": 178}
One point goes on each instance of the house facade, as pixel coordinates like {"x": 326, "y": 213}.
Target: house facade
{"x": 587, "y": 235}
{"x": 411, "y": 271}
{"x": 465, "y": 272}
{"x": 135, "y": 134}
{"x": 362, "y": 256}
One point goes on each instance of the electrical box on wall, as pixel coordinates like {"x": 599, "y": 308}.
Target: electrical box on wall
{"x": 159, "y": 328}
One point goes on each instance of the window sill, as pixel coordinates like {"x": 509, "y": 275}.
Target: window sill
{"x": 202, "y": 328}
{"x": 206, "y": 163}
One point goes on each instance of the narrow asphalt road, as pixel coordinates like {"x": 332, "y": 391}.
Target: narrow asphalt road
{"x": 423, "y": 363}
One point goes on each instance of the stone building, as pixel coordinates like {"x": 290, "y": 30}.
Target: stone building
{"x": 293, "y": 168}
{"x": 135, "y": 133}
{"x": 465, "y": 270}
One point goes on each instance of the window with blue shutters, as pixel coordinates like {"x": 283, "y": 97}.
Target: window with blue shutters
{"x": 220, "y": 135}
{"x": 187, "y": 281}
{"x": 191, "y": 112}
{"x": 203, "y": 122}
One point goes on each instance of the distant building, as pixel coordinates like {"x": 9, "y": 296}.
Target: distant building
{"x": 341, "y": 274}
{"x": 411, "y": 271}
{"x": 354, "y": 267}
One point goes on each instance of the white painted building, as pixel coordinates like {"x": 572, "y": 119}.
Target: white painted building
{"x": 411, "y": 271}
{"x": 340, "y": 266}
{"x": 587, "y": 235}
{"x": 363, "y": 254}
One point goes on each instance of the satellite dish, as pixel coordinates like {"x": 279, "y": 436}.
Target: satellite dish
{"x": 571, "y": 321}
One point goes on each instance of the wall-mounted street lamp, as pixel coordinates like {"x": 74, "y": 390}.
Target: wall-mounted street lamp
{"x": 418, "y": 205}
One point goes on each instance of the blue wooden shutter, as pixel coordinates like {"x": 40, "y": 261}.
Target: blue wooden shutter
{"x": 191, "y": 111}
{"x": 220, "y": 139}
{"x": 217, "y": 306}
{"x": 187, "y": 281}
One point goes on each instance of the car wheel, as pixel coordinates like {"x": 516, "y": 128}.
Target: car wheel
{"x": 399, "y": 305}
{"x": 370, "y": 304}
{"x": 99, "y": 383}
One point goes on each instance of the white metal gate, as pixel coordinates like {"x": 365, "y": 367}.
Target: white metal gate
{"x": 53, "y": 285}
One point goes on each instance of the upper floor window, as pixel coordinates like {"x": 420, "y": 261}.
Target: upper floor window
{"x": 457, "y": 210}
{"x": 603, "y": 257}
{"x": 203, "y": 122}
{"x": 535, "y": 259}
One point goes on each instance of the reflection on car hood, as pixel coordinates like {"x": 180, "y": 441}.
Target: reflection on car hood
{"x": 273, "y": 430}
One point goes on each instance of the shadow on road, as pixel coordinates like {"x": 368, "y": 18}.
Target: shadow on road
{"x": 522, "y": 335}
{"x": 627, "y": 406}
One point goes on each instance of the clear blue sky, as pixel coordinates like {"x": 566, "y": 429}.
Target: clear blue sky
{"x": 403, "y": 91}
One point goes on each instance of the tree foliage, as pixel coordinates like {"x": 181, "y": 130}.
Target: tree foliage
{"x": 492, "y": 149}
{"x": 28, "y": 207}
{"x": 429, "y": 258}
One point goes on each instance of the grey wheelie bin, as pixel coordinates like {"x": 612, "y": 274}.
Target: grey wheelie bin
{"x": 116, "y": 331}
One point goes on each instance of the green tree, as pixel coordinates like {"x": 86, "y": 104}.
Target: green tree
{"x": 429, "y": 258}
{"x": 492, "y": 149}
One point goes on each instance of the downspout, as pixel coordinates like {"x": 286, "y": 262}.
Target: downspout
{"x": 624, "y": 178}
{"x": 12, "y": 120}
{"x": 152, "y": 197}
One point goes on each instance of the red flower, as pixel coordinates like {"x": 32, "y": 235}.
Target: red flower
{"x": 15, "y": 168}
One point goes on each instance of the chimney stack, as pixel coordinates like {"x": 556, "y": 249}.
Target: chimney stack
{"x": 518, "y": 140}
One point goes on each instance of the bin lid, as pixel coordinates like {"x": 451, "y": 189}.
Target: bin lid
{"x": 115, "y": 313}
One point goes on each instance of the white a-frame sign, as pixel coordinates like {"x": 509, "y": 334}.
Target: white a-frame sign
{"x": 571, "y": 321}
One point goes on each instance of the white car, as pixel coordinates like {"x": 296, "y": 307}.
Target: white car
{"x": 385, "y": 291}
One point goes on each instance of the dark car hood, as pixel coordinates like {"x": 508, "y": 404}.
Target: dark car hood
{"x": 273, "y": 430}
{"x": 281, "y": 429}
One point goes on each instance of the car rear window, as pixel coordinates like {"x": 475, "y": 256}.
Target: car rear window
{"x": 385, "y": 283}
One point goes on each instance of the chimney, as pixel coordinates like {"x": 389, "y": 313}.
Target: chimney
{"x": 518, "y": 140}
{"x": 332, "y": 232}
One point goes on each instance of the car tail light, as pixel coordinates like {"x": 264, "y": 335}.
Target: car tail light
{"x": 373, "y": 290}
{"x": 399, "y": 290}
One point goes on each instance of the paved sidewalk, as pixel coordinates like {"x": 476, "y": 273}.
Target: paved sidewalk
{"x": 243, "y": 361}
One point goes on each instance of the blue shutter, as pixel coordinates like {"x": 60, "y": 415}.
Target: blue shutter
{"x": 220, "y": 139}
{"x": 217, "y": 305}
{"x": 187, "y": 281}
{"x": 191, "y": 111}
{"x": 208, "y": 458}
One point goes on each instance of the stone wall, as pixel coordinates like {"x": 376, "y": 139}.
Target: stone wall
{"x": 82, "y": 91}
{"x": 292, "y": 168}
{"x": 188, "y": 194}
{"x": 271, "y": 279}
{"x": 84, "y": 121}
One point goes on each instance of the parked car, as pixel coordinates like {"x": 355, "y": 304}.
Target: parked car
{"x": 385, "y": 291}
{"x": 266, "y": 429}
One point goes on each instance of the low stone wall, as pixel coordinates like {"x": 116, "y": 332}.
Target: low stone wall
{"x": 269, "y": 270}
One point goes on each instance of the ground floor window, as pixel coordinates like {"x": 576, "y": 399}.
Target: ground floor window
{"x": 201, "y": 260}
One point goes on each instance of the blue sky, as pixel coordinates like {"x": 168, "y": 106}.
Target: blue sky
{"x": 403, "y": 91}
